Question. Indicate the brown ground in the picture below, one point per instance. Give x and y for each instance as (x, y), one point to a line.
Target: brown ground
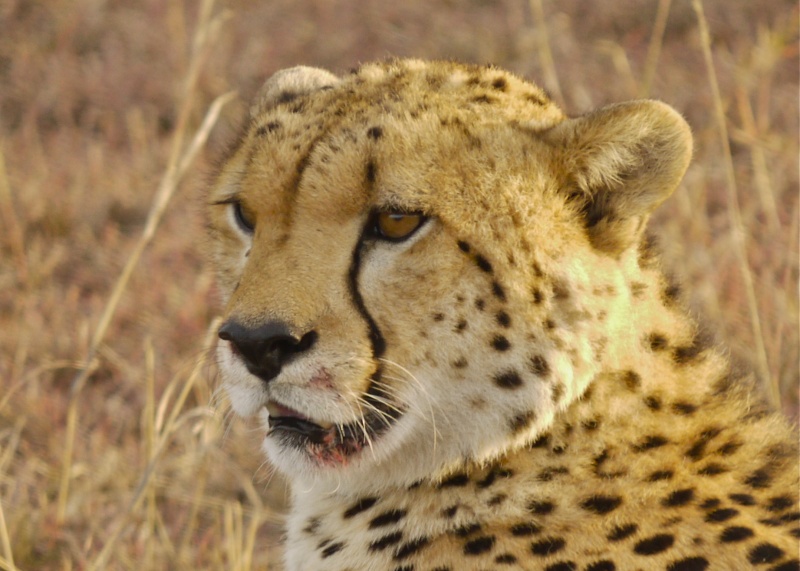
(90, 94)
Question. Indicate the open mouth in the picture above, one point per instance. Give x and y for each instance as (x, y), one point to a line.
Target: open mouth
(332, 443)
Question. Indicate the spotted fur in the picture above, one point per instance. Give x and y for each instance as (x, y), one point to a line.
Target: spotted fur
(513, 385)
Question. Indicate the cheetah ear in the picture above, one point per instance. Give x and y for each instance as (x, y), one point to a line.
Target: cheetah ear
(288, 84)
(624, 160)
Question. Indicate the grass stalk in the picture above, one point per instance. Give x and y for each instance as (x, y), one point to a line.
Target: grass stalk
(177, 166)
(737, 232)
(545, 53)
(11, 227)
(5, 543)
(654, 48)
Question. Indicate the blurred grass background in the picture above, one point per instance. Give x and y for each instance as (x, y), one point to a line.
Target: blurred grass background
(93, 97)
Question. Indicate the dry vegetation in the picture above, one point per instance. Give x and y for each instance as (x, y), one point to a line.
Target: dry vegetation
(98, 99)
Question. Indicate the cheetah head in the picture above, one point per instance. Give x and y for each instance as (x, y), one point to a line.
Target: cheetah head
(405, 256)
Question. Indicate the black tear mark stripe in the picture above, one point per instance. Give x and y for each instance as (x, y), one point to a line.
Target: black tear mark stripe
(376, 338)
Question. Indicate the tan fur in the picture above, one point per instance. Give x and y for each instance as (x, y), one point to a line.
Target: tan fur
(556, 408)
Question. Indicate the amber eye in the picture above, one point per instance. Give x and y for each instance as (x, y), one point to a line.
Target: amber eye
(396, 226)
(243, 218)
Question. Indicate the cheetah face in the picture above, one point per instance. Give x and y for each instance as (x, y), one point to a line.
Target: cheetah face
(402, 256)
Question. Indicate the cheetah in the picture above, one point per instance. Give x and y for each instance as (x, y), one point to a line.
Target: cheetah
(441, 300)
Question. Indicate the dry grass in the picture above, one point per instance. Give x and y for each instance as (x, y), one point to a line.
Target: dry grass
(99, 101)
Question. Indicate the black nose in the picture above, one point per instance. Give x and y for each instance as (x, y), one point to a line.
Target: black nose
(266, 348)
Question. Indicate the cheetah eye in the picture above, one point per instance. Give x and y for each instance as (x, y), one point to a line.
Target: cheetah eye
(395, 226)
(243, 218)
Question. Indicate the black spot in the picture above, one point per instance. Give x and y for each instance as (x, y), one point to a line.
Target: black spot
(371, 172)
(387, 518)
(654, 544)
(659, 475)
(375, 133)
(549, 324)
(541, 508)
(410, 548)
(735, 533)
(601, 504)
(488, 480)
(790, 517)
(287, 97)
(360, 506)
(312, 526)
(759, 479)
(480, 304)
(496, 500)
(483, 263)
(764, 553)
(743, 499)
(723, 514)
(463, 246)
(450, 512)
(560, 291)
(698, 449)
(542, 442)
(672, 291)
(500, 343)
(779, 503)
(455, 481)
(650, 443)
(558, 392)
(604, 565)
(792, 565)
(508, 380)
(691, 353)
(653, 403)
(479, 545)
(631, 380)
(503, 319)
(729, 448)
(710, 504)
(522, 421)
(268, 128)
(498, 291)
(538, 366)
(331, 549)
(590, 424)
(657, 342)
(404, 568)
(678, 498)
(505, 559)
(525, 529)
(683, 408)
(482, 99)
(548, 546)
(562, 566)
(622, 531)
(549, 473)
(537, 296)
(689, 564)
(468, 529)
(712, 469)
(500, 83)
